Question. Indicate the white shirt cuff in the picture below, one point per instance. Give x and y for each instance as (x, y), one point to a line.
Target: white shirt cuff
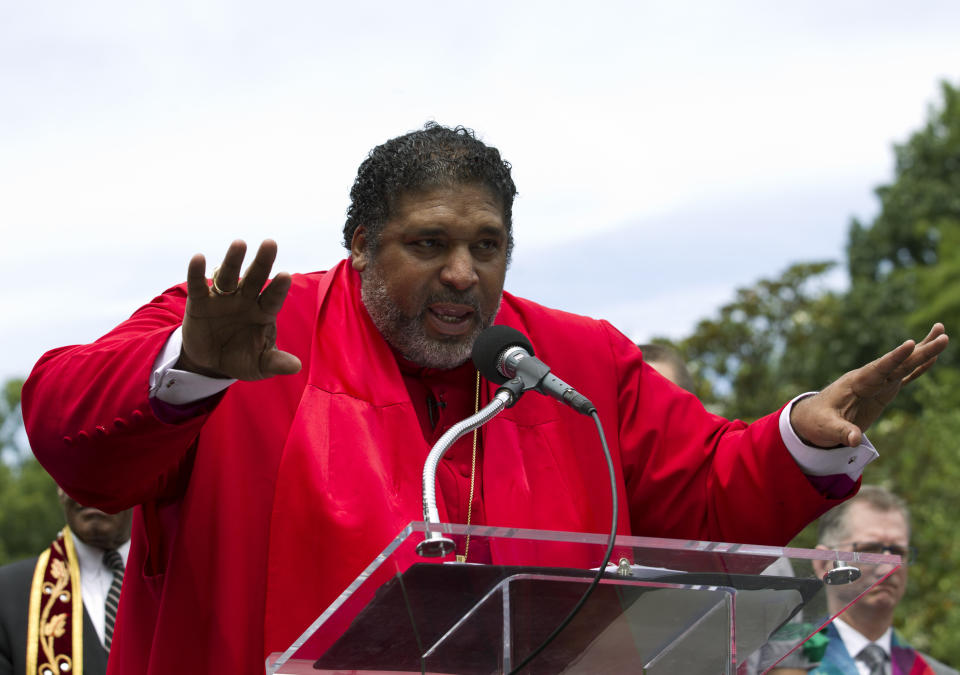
(180, 387)
(822, 462)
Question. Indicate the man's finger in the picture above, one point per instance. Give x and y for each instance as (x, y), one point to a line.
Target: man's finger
(271, 300)
(853, 436)
(935, 331)
(197, 277)
(819, 423)
(881, 370)
(276, 362)
(841, 432)
(919, 370)
(259, 270)
(227, 275)
(923, 353)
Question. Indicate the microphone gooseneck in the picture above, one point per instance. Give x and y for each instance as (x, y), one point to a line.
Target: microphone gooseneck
(435, 545)
(505, 356)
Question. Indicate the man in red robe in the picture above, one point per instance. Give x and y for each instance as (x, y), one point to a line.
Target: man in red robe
(273, 435)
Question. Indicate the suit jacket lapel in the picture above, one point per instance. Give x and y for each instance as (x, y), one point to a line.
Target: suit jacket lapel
(94, 655)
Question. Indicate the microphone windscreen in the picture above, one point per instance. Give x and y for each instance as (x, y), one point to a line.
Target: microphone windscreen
(490, 344)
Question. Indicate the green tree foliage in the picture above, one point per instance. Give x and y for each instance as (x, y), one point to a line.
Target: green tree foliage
(905, 265)
(11, 421)
(763, 347)
(919, 463)
(905, 275)
(30, 513)
(792, 334)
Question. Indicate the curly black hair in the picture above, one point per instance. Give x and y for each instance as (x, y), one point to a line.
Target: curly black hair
(435, 156)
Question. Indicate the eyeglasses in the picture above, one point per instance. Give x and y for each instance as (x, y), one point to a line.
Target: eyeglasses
(907, 553)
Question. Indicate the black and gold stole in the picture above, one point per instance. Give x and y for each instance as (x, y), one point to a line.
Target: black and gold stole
(55, 628)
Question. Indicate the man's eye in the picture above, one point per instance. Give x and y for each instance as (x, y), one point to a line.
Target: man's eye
(487, 244)
(426, 243)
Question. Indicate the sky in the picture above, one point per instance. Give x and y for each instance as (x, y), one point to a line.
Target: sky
(665, 153)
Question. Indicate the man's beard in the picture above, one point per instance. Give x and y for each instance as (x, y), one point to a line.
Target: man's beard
(406, 333)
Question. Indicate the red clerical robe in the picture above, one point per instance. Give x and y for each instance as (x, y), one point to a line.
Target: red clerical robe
(261, 508)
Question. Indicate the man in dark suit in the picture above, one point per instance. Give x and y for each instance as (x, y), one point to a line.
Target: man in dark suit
(57, 610)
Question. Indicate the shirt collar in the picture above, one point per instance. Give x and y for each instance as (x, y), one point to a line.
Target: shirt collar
(90, 557)
(855, 641)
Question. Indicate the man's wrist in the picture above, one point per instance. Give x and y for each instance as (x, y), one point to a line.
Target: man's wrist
(186, 364)
(816, 461)
(173, 385)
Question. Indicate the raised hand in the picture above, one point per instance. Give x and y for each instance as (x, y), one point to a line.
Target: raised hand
(840, 414)
(230, 328)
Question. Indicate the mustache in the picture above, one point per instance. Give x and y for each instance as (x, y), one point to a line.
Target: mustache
(454, 297)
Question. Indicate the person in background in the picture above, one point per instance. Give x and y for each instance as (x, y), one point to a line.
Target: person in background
(667, 361)
(63, 603)
(862, 640)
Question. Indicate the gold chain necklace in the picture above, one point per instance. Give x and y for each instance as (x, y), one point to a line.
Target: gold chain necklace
(473, 472)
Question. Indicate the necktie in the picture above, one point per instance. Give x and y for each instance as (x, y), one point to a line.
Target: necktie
(113, 562)
(874, 658)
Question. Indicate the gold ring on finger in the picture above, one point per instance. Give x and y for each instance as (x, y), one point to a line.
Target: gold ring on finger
(217, 289)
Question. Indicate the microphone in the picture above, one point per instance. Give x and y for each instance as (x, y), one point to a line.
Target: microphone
(502, 353)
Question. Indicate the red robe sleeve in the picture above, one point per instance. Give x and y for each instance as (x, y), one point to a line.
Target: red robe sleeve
(86, 407)
(693, 474)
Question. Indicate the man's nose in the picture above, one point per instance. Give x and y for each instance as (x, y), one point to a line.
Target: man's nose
(459, 270)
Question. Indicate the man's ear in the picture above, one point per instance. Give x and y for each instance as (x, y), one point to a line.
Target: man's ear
(359, 253)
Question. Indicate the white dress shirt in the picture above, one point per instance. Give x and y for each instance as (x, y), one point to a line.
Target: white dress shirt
(95, 579)
(854, 641)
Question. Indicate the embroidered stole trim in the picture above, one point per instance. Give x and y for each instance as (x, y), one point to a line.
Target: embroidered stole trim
(55, 619)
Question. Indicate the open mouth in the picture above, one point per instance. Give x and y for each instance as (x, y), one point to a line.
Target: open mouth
(450, 319)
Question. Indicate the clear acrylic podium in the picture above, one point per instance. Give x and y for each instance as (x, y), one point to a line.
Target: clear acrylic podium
(670, 606)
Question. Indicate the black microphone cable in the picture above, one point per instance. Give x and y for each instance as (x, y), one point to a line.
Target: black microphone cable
(489, 351)
(603, 565)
